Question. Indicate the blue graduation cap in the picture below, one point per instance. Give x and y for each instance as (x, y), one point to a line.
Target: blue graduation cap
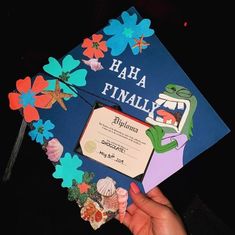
(115, 109)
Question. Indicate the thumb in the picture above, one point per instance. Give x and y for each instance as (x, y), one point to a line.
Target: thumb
(150, 207)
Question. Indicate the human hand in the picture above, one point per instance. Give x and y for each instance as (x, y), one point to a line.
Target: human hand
(152, 214)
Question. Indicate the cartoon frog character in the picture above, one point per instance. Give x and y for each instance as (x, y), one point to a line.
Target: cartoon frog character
(172, 125)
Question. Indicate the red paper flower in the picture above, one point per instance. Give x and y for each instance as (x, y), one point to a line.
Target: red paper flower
(27, 97)
(95, 47)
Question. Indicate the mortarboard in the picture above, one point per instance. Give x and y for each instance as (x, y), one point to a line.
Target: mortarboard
(115, 109)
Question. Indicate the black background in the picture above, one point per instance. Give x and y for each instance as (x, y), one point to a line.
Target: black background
(33, 202)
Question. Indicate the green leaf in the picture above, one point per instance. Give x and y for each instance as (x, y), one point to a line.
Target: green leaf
(92, 189)
(82, 198)
(73, 193)
(87, 177)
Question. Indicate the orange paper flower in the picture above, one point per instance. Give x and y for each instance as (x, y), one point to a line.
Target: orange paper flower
(95, 47)
(27, 97)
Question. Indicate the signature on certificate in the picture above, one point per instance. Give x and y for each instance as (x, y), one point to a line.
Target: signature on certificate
(111, 157)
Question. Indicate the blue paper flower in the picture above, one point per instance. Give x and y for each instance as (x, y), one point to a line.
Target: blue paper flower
(41, 131)
(68, 170)
(126, 33)
(67, 72)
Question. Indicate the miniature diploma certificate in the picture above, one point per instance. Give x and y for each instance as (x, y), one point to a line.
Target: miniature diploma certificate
(117, 140)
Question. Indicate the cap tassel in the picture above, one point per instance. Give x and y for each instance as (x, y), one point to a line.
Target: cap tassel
(14, 152)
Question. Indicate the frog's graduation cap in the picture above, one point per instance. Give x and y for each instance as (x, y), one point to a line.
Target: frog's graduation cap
(115, 109)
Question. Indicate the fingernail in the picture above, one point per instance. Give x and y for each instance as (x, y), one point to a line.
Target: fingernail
(134, 187)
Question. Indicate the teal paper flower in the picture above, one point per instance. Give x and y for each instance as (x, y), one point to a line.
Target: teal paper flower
(127, 33)
(67, 72)
(41, 131)
(68, 170)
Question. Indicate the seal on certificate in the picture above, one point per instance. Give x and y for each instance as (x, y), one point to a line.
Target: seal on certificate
(90, 146)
